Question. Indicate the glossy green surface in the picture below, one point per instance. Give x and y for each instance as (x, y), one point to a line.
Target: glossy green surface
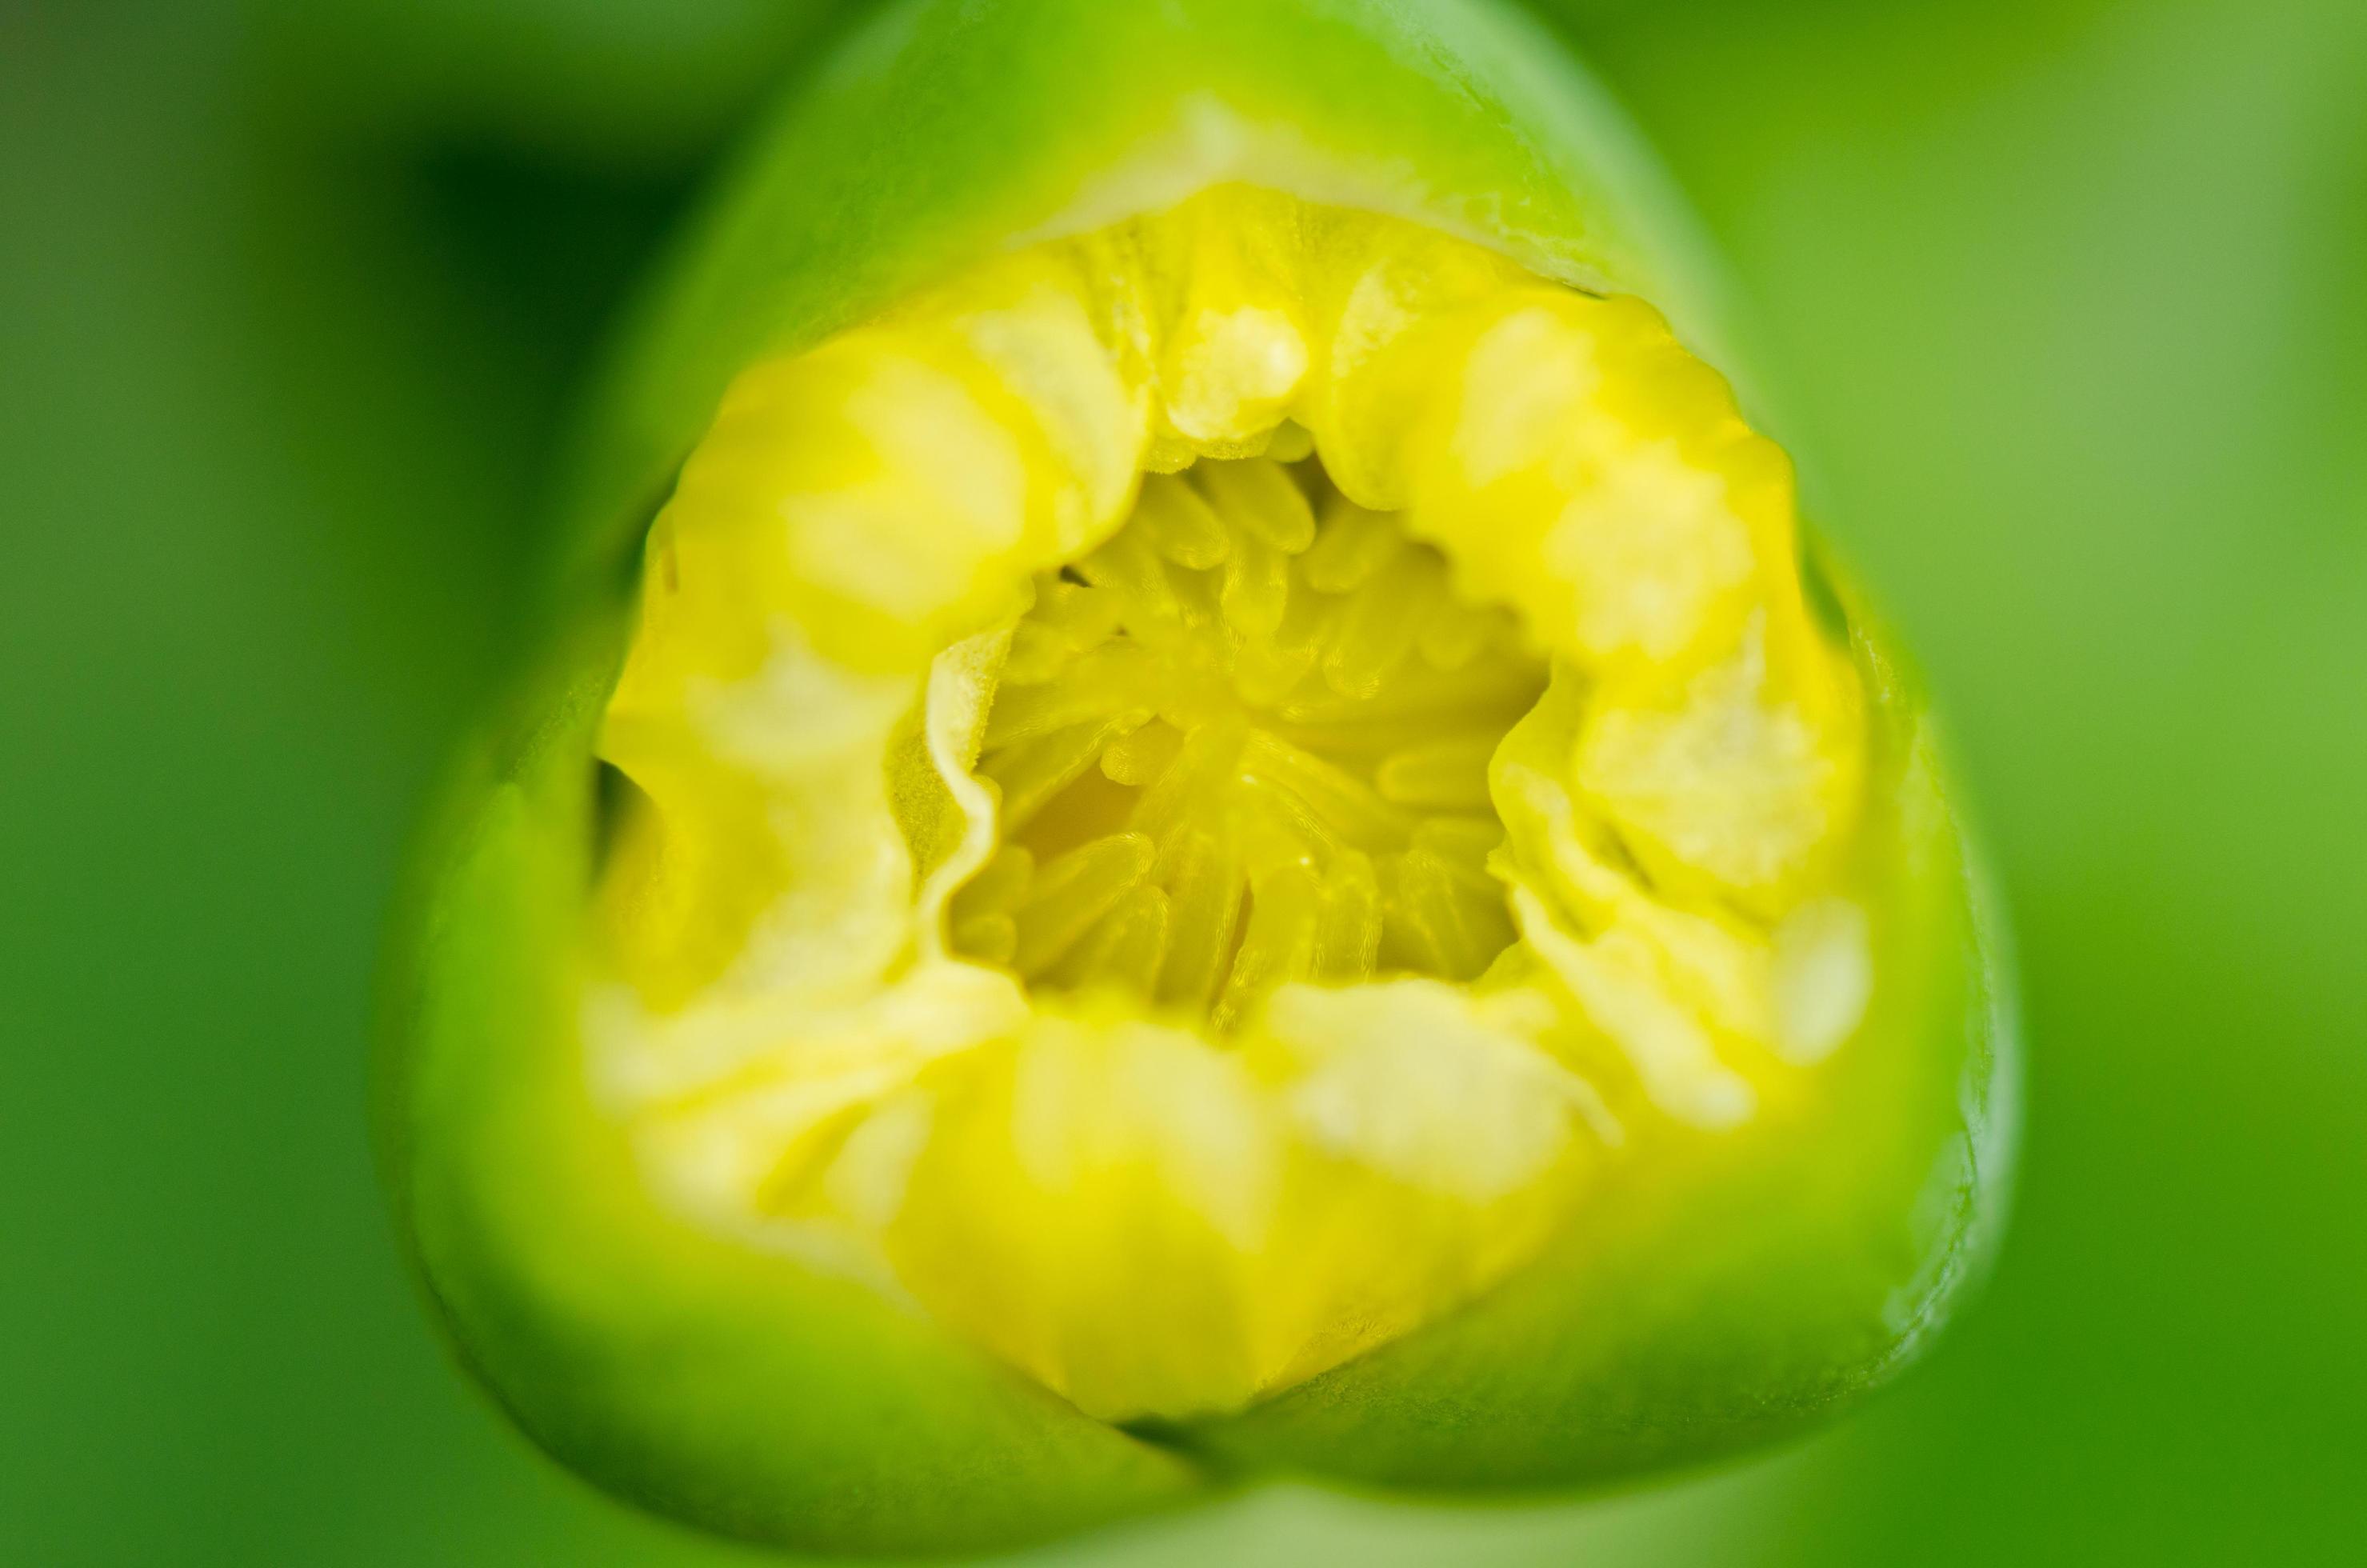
(939, 131)
(1726, 1292)
(729, 1386)
(275, 406)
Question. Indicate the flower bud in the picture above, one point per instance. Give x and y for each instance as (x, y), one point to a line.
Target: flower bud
(1223, 826)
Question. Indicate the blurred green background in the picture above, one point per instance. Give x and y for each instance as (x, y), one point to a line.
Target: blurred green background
(2068, 301)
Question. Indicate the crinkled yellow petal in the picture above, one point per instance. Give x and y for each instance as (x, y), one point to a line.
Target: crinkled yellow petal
(1190, 788)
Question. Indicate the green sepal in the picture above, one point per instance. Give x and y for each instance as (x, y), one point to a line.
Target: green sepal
(1722, 1289)
(943, 131)
(721, 1383)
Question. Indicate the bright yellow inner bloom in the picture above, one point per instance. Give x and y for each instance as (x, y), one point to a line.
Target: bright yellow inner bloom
(1192, 785)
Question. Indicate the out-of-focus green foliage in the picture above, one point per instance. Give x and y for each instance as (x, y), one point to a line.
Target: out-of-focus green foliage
(651, 85)
(2068, 296)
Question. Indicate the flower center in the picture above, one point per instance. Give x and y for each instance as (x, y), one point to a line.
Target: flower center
(1246, 743)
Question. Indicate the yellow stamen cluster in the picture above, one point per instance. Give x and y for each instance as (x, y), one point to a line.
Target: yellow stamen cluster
(1244, 743)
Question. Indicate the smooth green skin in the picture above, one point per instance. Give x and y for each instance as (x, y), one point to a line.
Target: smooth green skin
(1722, 1289)
(1716, 1292)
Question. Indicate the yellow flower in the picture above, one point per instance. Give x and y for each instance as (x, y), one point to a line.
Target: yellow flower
(1226, 834)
